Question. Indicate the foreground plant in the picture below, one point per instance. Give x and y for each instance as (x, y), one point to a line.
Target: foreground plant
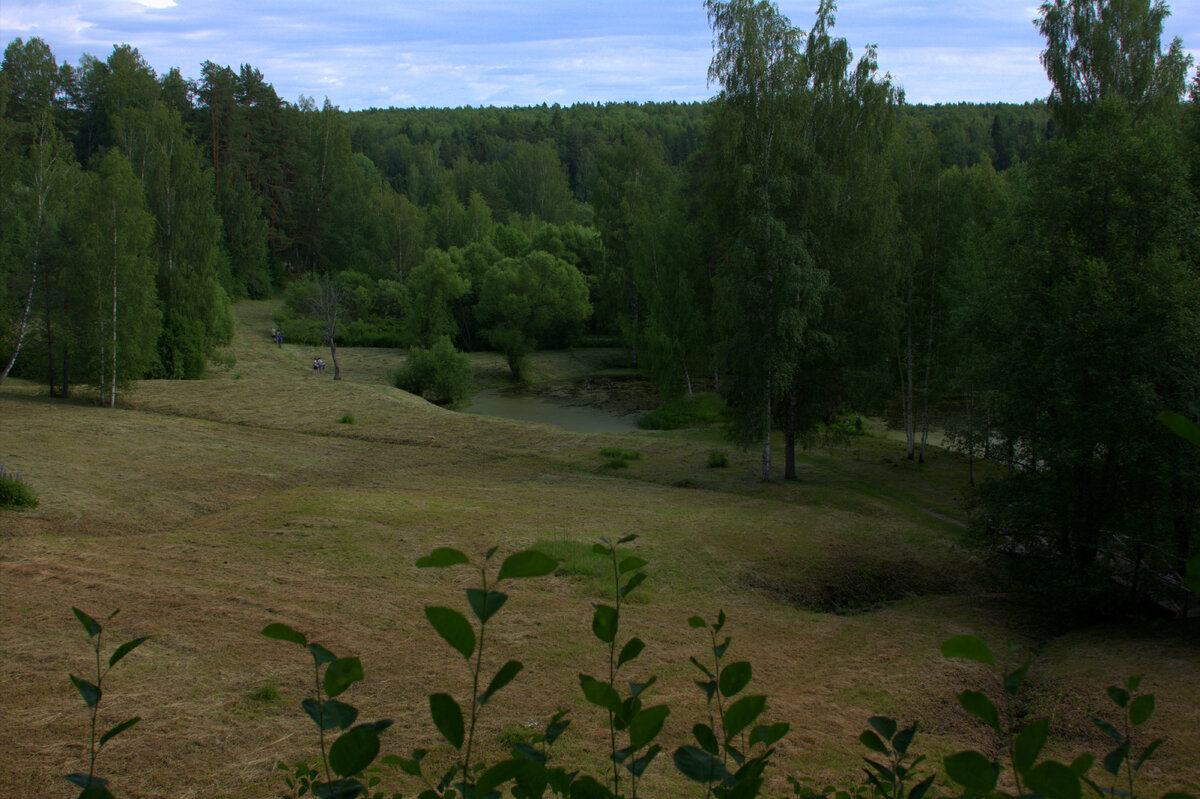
(356, 748)
(94, 787)
(466, 778)
(637, 724)
(724, 765)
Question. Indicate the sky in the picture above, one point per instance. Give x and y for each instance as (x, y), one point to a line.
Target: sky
(449, 53)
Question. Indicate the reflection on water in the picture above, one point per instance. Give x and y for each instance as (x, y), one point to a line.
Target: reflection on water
(573, 418)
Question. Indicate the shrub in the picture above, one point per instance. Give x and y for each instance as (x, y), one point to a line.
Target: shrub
(619, 458)
(717, 459)
(678, 414)
(441, 373)
(14, 493)
(347, 418)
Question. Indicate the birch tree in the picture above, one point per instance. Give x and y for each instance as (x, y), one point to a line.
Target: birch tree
(115, 319)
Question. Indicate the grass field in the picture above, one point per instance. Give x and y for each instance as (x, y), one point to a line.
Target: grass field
(205, 510)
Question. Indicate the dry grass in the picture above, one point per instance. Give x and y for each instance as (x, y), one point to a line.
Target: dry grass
(205, 510)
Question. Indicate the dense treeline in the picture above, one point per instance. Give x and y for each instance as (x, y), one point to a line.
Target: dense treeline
(804, 243)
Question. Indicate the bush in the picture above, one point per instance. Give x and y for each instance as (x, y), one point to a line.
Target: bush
(14, 493)
(441, 373)
(717, 459)
(678, 414)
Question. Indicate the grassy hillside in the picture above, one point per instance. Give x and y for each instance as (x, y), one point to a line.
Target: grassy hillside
(206, 510)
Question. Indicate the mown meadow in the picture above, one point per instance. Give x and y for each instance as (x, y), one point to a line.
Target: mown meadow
(205, 510)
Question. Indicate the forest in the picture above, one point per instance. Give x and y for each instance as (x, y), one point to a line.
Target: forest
(804, 244)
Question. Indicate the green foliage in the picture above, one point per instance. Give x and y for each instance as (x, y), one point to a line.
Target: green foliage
(717, 459)
(628, 717)
(13, 491)
(732, 751)
(353, 751)
(618, 458)
(441, 374)
(93, 786)
(529, 300)
(468, 639)
(347, 418)
(702, 410)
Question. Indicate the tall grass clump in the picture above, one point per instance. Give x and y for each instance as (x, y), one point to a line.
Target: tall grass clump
(13, 491)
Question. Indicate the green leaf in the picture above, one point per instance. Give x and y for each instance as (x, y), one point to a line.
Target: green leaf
(904, 739)
(341, 674)
(1192, 576)
(636, 688)
(1013, 680)
(977, 704)
(972, 771)
(742, 714)
(702, 668)
(884, 726)
(1053, 780)
(454, 629)
(604, 623)
(1118, 695)
(354, 750)
(630, 651)
(318, 712)
(84, 780)
(125, 648)
(600, 549)
(485, 604)
(1029, 744)
(921, 788)
(1141, 709)
(1114, 759)
(281, 632)
(633, 583)
(699, 766)
(1181, 426)
(706, 738)
(769, 735)
(497, 775)
(630, 563)
(1082, 764)
(90, 693)
(969, 647)
(441, 558)
(627, 539)
(646, 726)
(118, 729)
(870, 740)
(321, 655)
(448, 718)
(734, 678)
(1147, 753)
(600, 694)
(503, 677)
(695, 622)
(343, 715)
(527, 563)
(89, 624)
(1109, 730)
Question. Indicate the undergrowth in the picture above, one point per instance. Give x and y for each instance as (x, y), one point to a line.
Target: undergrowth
(13, 491)
(731, 749)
